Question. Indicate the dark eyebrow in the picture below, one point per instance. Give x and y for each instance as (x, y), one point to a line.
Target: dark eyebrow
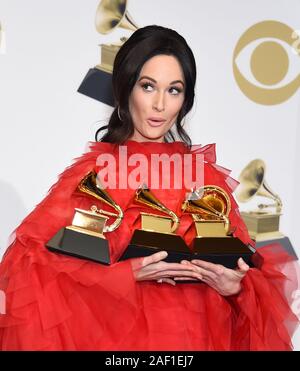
(150, 78)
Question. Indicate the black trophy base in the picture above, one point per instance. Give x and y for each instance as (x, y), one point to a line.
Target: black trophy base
(145, 243)
(80, 245)
(218, 250)
(284, 241)
(97, 84)
(222, 250)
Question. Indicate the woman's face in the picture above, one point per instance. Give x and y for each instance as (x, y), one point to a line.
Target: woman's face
(157, 95)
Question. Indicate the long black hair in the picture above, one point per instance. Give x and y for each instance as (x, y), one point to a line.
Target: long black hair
(142, 45)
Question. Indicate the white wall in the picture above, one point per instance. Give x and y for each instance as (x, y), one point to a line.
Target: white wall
(45, 123)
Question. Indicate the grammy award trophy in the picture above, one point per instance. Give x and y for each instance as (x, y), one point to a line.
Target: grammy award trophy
(263, 220)
(157, 232)
(85, 237)
(214, 242)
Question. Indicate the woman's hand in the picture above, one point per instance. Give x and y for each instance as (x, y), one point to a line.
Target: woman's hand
(152, 268)
(224, 280)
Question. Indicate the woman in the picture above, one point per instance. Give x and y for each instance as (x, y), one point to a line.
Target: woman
(56, 302)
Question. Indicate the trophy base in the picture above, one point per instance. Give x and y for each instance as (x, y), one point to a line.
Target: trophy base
(284, 242)
(222, 250)
(80, 245)
(217, 250)
(108, 55)
(260, 222)
(97, 85)
(259, 237)
(145, 243)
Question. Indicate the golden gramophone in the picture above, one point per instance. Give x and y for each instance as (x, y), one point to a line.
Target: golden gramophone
(85, 237)
(157, 231)
(97, 83)
(110, 15)
(262, 225)
(214, 242)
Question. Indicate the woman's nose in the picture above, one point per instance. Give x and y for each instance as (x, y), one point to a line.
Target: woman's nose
(159, 101)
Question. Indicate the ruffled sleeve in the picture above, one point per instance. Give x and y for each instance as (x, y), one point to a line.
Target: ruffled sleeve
(264, 319)
(262, 314)
(45, 290)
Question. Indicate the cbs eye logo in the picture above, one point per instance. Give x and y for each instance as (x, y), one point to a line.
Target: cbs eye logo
(275, 54)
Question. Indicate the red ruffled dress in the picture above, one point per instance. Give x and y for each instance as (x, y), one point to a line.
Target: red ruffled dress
(56, 302)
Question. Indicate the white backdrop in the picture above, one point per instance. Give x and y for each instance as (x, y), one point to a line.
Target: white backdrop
(45, 123)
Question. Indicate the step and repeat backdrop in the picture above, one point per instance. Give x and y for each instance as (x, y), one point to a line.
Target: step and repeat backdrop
(55, 68)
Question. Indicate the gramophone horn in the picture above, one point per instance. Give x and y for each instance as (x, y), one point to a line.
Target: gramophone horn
(146, 197)
(252, 182)
(214, 204)
(111, 14)
(214, 201)
(88, 185)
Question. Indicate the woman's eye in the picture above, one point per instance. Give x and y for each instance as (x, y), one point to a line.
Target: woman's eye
(144, 86)
(177, 90)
